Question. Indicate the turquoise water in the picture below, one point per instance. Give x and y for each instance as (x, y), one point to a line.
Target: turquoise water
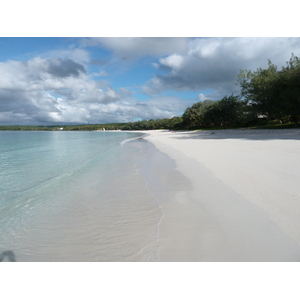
(77, 196)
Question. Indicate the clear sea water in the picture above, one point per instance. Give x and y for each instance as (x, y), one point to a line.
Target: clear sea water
(80, 196)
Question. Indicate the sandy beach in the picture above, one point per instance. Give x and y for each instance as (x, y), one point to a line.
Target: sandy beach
(244, 200)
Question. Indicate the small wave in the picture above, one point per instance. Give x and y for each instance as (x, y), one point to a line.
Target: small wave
(136, 138)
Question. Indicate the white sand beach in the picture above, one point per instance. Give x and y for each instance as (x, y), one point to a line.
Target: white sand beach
(244, 204)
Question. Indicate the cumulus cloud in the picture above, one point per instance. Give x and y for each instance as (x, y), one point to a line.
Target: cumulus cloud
(126, 92)
(40, 74)
(47, 90)
(102, 73)
(129, 109)
(172, 62)
(202, 97)
(64, 68)
(215, 63)
(59, 90)
(136, 47)
(81, 56)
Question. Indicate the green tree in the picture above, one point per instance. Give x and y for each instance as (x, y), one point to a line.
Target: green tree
(193, 116)
(289, 83)
(225, 112)
(273, 93)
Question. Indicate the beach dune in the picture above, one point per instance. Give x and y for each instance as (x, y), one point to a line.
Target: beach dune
(244, 200)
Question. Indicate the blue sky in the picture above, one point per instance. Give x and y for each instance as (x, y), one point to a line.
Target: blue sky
(102, 80)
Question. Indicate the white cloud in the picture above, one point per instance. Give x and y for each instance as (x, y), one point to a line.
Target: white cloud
(101, 74)
(126, 92)
(202, 97)
(49, 90)
(173, 61)
(215, 63)
(79, 55)
(56, 90)
(135, 47)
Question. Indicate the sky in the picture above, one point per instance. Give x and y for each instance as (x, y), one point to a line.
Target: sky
(90, 80)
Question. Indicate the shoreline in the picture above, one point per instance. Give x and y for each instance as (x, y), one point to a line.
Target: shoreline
(244, 200)
(82, 200)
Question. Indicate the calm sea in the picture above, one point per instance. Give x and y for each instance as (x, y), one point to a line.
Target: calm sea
(79, 196)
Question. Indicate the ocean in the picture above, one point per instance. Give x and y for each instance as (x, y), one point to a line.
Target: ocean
(81, 196)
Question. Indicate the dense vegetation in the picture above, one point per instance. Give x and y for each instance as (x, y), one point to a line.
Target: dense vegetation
(268, 96)
(173, 123)
(227, 112)
(273, 93)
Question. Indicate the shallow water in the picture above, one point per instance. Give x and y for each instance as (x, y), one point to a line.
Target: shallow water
(75, 196)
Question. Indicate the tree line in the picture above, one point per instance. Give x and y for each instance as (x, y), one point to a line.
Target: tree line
(273, 93)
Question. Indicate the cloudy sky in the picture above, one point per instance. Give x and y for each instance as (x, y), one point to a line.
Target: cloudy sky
(102, 80)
